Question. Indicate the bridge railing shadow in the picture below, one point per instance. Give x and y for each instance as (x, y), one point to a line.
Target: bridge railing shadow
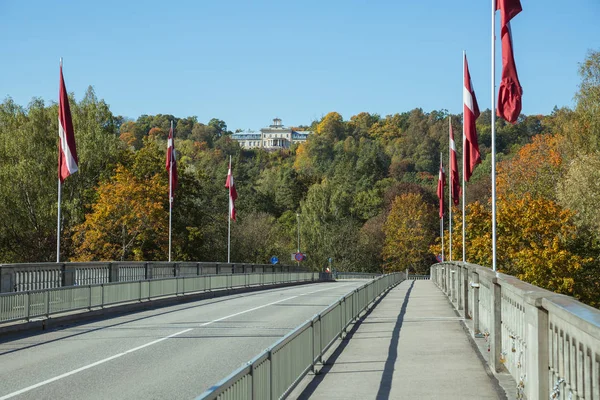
(274, 373)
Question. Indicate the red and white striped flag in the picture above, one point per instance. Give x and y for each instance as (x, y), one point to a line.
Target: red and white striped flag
(171, 163)
(470, 115)
(232, 192)
(67, 153)
(440, 189)
(454, 178)
(510, 91)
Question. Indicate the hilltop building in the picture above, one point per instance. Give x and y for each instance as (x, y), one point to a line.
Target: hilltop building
(274, 137)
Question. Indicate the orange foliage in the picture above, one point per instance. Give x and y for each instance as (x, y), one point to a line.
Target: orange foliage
(129, 221)
(535, 169)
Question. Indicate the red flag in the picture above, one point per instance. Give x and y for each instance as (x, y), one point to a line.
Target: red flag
(171, 163)
(470, 115)
(440, 189)
(508, 9)
(232, 192)
(67, 153)
(454, 179)
(510, 91)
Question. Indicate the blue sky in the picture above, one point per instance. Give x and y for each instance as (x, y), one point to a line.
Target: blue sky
(246, 62)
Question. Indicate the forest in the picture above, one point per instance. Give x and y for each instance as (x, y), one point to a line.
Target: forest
(364, 189)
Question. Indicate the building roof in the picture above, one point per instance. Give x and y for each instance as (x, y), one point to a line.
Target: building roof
(246, 136)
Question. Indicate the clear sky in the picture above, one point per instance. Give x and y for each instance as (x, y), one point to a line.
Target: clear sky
(246, 62)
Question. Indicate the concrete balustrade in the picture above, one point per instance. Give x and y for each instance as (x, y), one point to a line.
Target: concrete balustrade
(549, 343)
(36, 276)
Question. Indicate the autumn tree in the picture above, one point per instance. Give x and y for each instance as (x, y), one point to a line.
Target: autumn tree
(129, 221)
(534, 241)
(410, 229)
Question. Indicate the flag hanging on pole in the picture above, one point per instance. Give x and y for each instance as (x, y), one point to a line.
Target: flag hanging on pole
(440, 189)
(510, 91)
(171, 163)
(470, 115)
(454, 182)
(232, 192)
(67, 157)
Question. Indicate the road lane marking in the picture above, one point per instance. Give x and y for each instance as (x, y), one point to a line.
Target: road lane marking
(85, 367)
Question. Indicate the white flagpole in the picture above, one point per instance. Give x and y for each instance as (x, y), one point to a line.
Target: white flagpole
(171, 185)
(450, 189)
(493, 135)
(229, 217)
(59, 198)
(464, 185)
(58, 225)
(442, 219)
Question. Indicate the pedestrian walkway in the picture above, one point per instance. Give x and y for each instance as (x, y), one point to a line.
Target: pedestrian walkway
(411, 346)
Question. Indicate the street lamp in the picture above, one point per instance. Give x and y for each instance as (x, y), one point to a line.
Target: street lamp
(298, 224)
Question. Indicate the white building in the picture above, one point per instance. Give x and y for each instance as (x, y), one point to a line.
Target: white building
(273, 137)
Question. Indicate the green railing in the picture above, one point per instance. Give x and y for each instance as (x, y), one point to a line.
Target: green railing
(43, 303)
(274, 373)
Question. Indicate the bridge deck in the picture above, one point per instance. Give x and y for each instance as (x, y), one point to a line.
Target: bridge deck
(413, 345)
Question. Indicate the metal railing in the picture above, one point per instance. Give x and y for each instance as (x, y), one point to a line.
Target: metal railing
(418, 277)
(355, 275)
(35, 276)
(43, 303)
(549, 343)
(274, 373)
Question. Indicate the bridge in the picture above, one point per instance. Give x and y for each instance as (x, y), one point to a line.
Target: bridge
(241, 331)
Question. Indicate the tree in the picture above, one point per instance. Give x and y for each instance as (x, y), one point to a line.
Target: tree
(409, 231)
(534, 169)
(580, 190)
(257, 237)
(332, 126)
(534, 237)
(128, 221)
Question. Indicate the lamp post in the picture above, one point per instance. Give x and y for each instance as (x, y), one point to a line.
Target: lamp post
(298, 225)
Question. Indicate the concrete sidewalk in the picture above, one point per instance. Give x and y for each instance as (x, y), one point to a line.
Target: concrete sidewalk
(411, 346)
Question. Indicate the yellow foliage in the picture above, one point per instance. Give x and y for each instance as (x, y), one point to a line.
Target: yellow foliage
(128, 221)
(409, 231)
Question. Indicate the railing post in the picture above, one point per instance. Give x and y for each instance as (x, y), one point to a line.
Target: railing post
(149, 272)
(271, 376)
(476, 330)
(68, 276)
(113, 272)
(465, 286)
(47, 303)
(7, 279)
(537, 349)
(453, 285)
(496, 326)
(459, 288)
(27, 303)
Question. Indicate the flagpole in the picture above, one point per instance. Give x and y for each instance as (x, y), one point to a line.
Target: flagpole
(229, 217)
(59, 198)
(442, 219)
(58, 225)
(493, 135)
(464, 185)
(171, 187)
(450, 187)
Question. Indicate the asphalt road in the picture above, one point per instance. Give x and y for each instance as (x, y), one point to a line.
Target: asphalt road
(174, 352)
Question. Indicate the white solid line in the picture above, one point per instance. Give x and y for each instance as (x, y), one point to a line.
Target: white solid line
(75, 371)
(27, 389)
